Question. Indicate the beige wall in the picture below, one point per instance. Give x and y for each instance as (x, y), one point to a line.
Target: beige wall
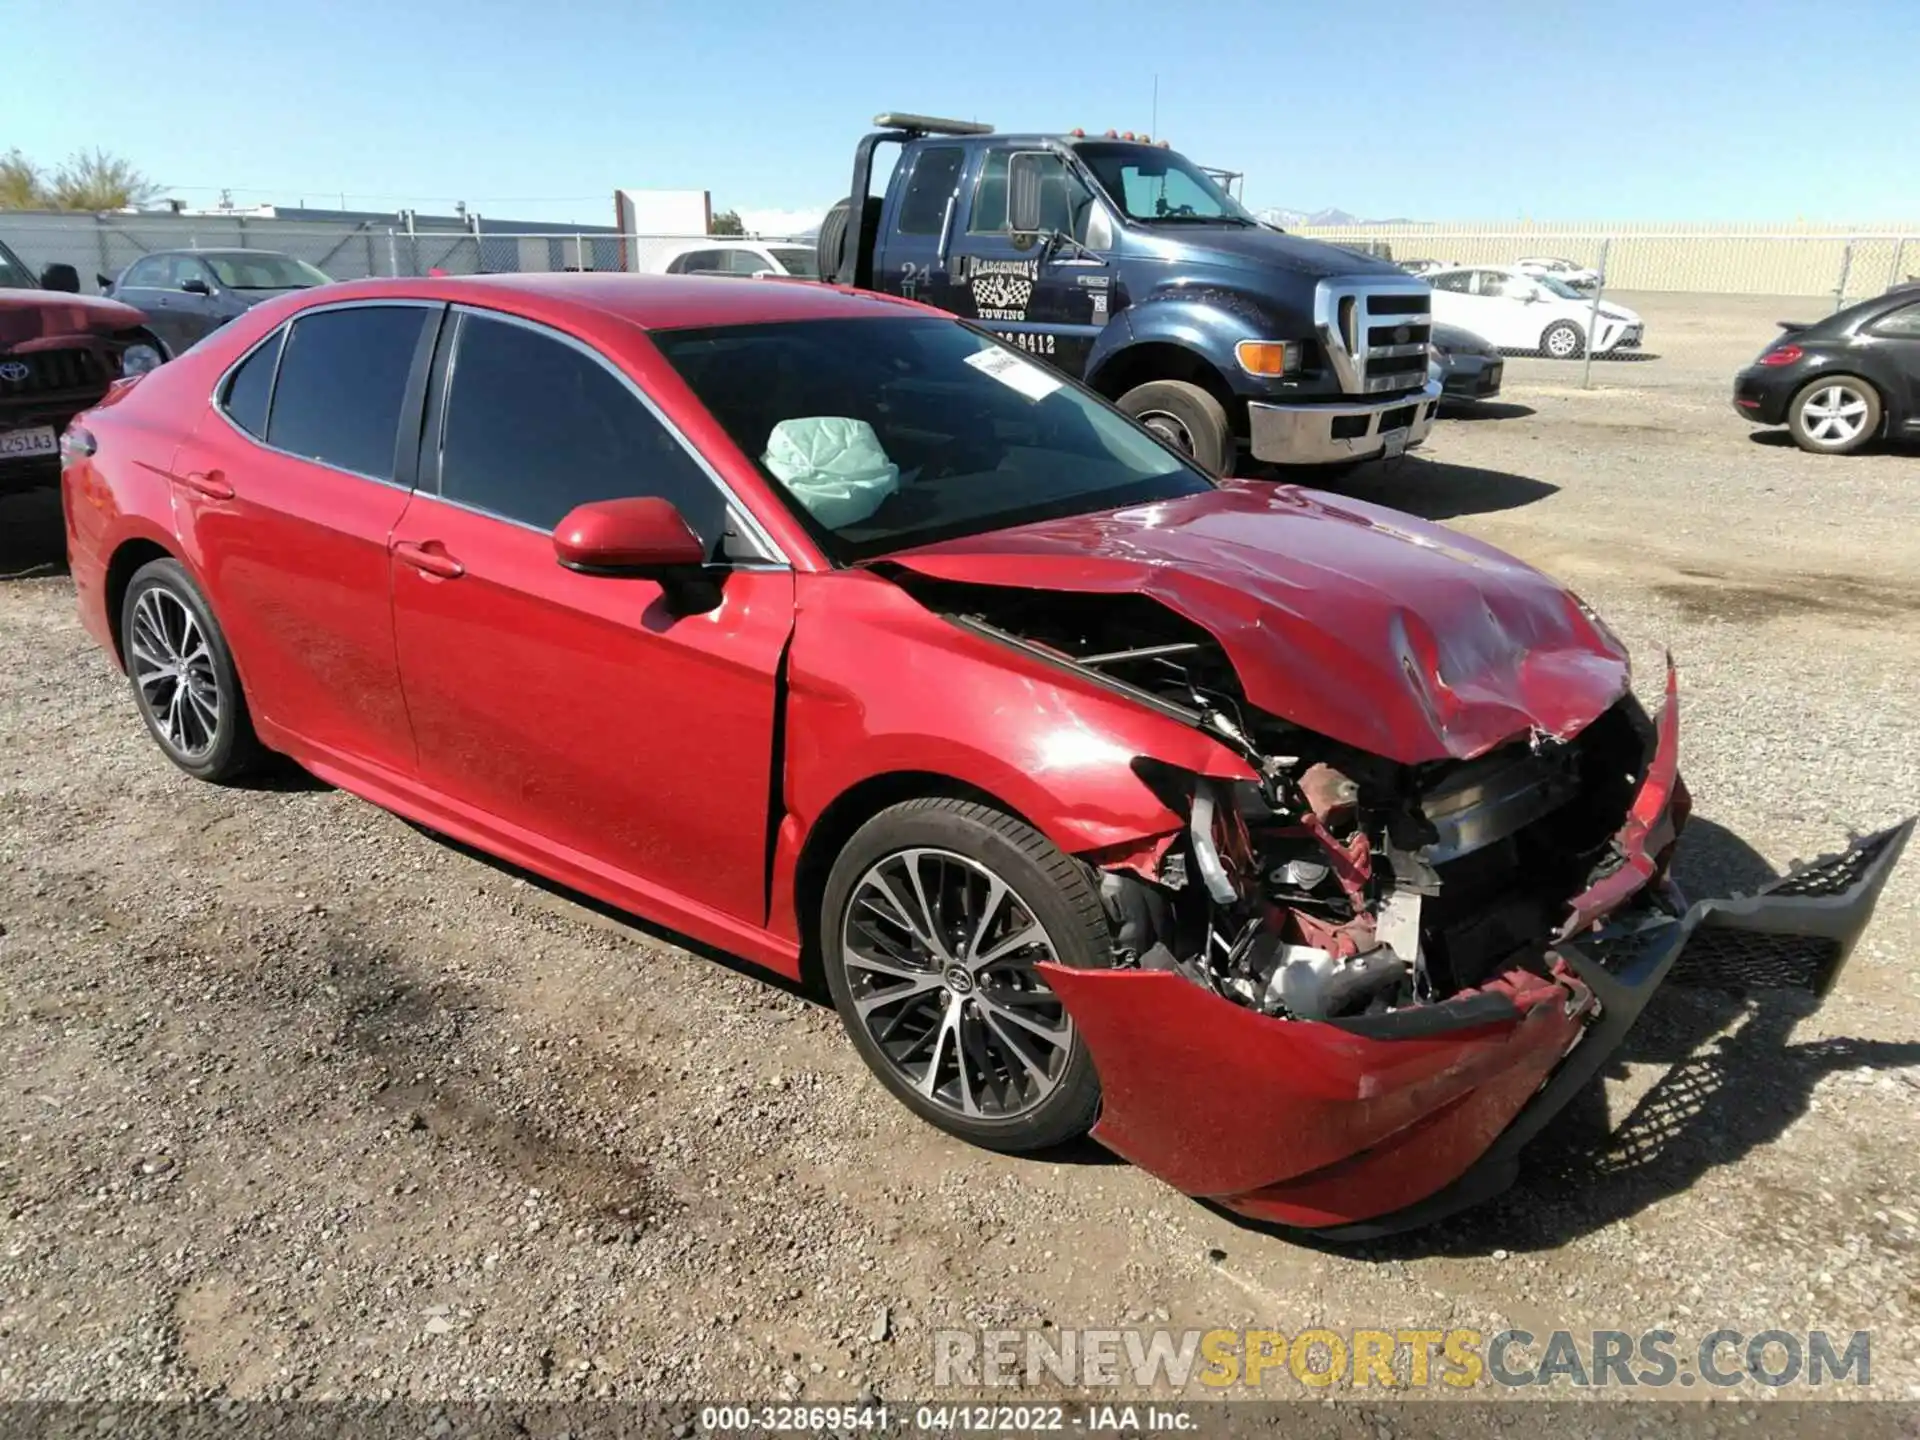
(1752, 260)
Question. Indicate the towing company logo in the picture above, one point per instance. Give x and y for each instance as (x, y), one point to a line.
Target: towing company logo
(1001, 289)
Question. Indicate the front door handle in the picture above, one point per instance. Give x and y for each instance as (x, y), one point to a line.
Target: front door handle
(431, 557)
(210, 483)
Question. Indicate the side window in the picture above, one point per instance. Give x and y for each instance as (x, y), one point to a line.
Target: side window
(252, 384)
(535, 427)
(343, 384)
(1065, 201)
(182, 268)
(1456, 282)
(923, 208)
(147, 274)
(745, 262)
(699, 262)
(1902, 324)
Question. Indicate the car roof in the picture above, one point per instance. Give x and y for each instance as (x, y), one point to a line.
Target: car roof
(205, 254)
(650, 302)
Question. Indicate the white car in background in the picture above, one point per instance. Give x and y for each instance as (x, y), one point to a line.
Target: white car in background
(725, 255)
(1580, 277)
(1517, 311)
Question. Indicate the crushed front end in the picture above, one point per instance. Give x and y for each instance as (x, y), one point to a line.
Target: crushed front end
(1351, 988)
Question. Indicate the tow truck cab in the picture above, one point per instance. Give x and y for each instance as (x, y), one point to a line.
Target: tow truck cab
(1122, 263)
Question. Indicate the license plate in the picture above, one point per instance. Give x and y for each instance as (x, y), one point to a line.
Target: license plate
(1395, 442)
(28, 444)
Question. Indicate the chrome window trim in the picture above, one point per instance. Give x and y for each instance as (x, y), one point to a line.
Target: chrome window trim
(220, 384)
(735, 506)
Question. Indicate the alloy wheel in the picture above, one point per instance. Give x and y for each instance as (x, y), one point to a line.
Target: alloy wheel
(172, 665)
(1562, 342)
(1834, 414)
(939, 955)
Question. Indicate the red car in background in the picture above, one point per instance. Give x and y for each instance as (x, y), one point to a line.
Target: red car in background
(1311, 855)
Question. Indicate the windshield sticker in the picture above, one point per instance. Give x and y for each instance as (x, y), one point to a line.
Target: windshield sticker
(1014, 373)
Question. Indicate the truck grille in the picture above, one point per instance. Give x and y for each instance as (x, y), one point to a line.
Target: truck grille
(1376, 333)
(50, 372)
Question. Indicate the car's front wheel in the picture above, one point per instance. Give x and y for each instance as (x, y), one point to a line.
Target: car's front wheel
(182, 673)
(1562, 340)
(935, 918)
(1834, 415)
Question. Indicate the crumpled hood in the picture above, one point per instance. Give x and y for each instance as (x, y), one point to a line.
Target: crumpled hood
(1357, 622)
(27, 315)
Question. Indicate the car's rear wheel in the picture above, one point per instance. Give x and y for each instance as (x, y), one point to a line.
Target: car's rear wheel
(1562, 340)
(1834, 415)
(935, 917)
(182, 673)
(1187, 418)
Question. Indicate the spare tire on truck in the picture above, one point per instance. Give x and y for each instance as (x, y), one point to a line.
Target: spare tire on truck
(833, 229)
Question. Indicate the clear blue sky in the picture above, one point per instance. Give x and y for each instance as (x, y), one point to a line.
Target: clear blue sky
(1447, 109)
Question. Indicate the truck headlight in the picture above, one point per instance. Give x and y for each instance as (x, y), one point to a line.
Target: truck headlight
(140, 357)
(1268, 358)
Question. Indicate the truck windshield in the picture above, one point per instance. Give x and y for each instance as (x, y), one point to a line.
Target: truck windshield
(884, 433)
(1160, 185)
(13, 274)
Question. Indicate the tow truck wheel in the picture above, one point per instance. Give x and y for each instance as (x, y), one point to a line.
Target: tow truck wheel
(1187, 418)
(936, 917)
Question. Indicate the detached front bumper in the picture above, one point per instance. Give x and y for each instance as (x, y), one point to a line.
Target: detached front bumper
(1369, 1126)
(1335, 433)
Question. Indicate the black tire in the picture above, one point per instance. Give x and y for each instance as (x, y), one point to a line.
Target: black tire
(1043, 884)
(826, 245)
(223, 750)
(1817, 434)
(1187, 418)
(1566, 335)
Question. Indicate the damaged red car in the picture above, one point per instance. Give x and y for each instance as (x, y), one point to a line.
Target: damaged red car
(1308, 855)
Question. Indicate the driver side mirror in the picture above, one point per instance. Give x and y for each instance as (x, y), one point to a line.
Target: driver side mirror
(1026, 178)
(60, 276)
(194, 285)
(643, 537)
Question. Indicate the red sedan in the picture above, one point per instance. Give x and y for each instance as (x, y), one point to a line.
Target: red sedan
(1310, 855)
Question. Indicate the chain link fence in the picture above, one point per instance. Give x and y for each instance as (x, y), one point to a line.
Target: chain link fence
(101, 247)
(1839, 265)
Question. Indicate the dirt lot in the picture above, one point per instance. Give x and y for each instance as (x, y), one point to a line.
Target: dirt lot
(300, 1101)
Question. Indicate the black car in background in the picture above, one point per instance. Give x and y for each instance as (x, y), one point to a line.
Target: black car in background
(1839, 383)
(1467, 367)
(191, 293)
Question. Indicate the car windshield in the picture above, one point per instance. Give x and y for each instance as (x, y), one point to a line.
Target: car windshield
(13, 274)
(885, 433)
(264, 272)
(1160, 186)
(1559, 287)
(795, 260)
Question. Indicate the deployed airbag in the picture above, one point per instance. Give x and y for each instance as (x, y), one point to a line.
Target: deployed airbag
(833, 465)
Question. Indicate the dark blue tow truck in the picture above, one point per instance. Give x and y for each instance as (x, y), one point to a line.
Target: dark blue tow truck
(1125, 265)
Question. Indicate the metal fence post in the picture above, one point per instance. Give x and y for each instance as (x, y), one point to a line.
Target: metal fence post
(1846, 273)
(393, 252)
(1894, 276)
(1593, 317)
(579, 253)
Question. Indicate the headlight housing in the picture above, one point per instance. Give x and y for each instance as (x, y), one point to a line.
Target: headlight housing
(141, 357)
(1269, 359)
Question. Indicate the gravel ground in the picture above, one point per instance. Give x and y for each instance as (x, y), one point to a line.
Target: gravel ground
(300, 1101)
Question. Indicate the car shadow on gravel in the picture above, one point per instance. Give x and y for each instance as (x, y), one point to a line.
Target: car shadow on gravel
(1475, 411)
(1735, 1081)
(33, 538)
(1437, 490)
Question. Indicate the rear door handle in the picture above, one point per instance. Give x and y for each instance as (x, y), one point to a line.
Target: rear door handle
(431, 557)
(210, 483)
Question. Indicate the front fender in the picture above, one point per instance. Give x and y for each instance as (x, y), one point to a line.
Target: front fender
(879, 685)
(1207, 320)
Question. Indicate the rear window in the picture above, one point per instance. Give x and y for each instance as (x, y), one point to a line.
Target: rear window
(923, 209)
(343, 384)
(252, 385)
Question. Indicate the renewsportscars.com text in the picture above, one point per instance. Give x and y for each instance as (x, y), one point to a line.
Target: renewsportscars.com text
(1400, 1359)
